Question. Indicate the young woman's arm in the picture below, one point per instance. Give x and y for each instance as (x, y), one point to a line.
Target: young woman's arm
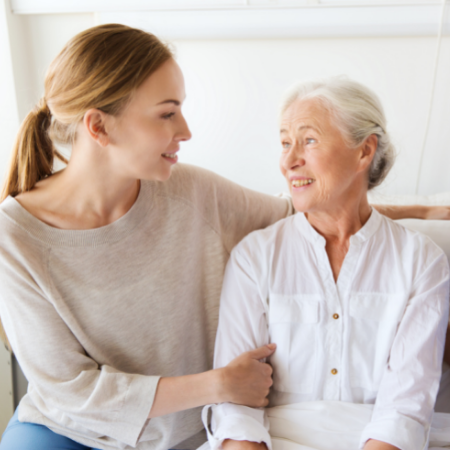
(244, 380)
(105, 401)
(397, 212)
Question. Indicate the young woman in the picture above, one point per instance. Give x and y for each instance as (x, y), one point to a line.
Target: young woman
(111, 269)
(110, 274)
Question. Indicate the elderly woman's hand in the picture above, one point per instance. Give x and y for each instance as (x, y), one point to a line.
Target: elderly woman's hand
(229, 444)
(372, 444)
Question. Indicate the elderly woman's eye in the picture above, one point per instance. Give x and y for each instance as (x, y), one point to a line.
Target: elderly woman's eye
(285, 145)
(310, 140)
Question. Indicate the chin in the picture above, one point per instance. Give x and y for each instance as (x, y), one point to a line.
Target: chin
(161, 174)
(301, 205)
(164, 175)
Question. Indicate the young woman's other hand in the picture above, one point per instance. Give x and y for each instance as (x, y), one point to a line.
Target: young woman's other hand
(437, 212)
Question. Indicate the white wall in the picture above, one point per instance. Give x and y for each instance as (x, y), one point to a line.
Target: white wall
(27, 46)
(234, 88)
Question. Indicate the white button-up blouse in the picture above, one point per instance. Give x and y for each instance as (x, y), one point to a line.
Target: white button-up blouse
(376, 336)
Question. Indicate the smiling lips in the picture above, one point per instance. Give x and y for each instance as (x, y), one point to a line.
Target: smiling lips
(169, 155)
(300, 183)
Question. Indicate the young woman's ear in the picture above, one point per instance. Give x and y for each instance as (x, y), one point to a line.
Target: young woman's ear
(95, 123)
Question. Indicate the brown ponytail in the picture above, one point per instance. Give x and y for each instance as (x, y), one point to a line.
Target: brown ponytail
(33, 153)
(99, 68)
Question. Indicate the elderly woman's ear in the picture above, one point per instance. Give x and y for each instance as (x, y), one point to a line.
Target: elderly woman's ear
(367, 152)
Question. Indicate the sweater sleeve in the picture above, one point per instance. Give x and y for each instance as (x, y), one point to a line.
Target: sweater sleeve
(405, 400)
(65, 384)
(232, 210)
(242, 327)
(242, 210)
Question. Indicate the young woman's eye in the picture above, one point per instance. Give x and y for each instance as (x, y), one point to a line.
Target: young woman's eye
(168, 115)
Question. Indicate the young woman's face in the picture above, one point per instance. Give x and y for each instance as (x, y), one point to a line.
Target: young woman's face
(145, 137)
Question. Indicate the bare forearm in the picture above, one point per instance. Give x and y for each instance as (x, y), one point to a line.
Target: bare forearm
(396, 212)
(372, 444)
(244, 381)
(179, 393)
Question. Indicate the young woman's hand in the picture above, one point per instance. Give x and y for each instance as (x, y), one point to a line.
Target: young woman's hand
(246, 380)
(396, 212)
(437, 213)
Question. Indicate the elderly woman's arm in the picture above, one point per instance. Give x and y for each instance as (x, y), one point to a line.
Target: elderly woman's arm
(242, 324)
(397, 212)
(410, 382)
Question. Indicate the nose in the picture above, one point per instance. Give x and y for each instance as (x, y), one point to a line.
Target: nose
(184, 134)
(293, 158)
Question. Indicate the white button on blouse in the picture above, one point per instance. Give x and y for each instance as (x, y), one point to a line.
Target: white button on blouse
(377, 335)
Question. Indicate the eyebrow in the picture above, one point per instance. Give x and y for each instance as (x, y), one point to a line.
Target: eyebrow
(301, 128)
(175, 102)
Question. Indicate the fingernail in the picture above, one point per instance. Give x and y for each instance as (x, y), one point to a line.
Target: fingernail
(272, 346)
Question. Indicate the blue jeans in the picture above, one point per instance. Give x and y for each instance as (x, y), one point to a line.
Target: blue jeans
(31, 436)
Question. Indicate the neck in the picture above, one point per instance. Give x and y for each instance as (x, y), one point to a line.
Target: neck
(338, 223)
(89, 192)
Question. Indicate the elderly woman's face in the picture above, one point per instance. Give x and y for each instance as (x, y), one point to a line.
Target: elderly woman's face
(318, 164)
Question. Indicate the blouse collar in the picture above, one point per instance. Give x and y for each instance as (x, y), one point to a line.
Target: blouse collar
(365, 233)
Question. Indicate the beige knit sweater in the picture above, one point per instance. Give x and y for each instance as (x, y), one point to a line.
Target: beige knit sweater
(96, 317)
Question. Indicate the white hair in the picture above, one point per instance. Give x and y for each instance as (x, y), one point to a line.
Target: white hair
(358, 113)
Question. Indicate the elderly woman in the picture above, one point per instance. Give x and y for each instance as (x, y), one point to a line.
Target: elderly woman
(357, 304)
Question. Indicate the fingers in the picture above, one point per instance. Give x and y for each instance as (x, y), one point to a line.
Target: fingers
(248, 380)
(268, 369)
(262, 352)
(258, 403)
(262, 403)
